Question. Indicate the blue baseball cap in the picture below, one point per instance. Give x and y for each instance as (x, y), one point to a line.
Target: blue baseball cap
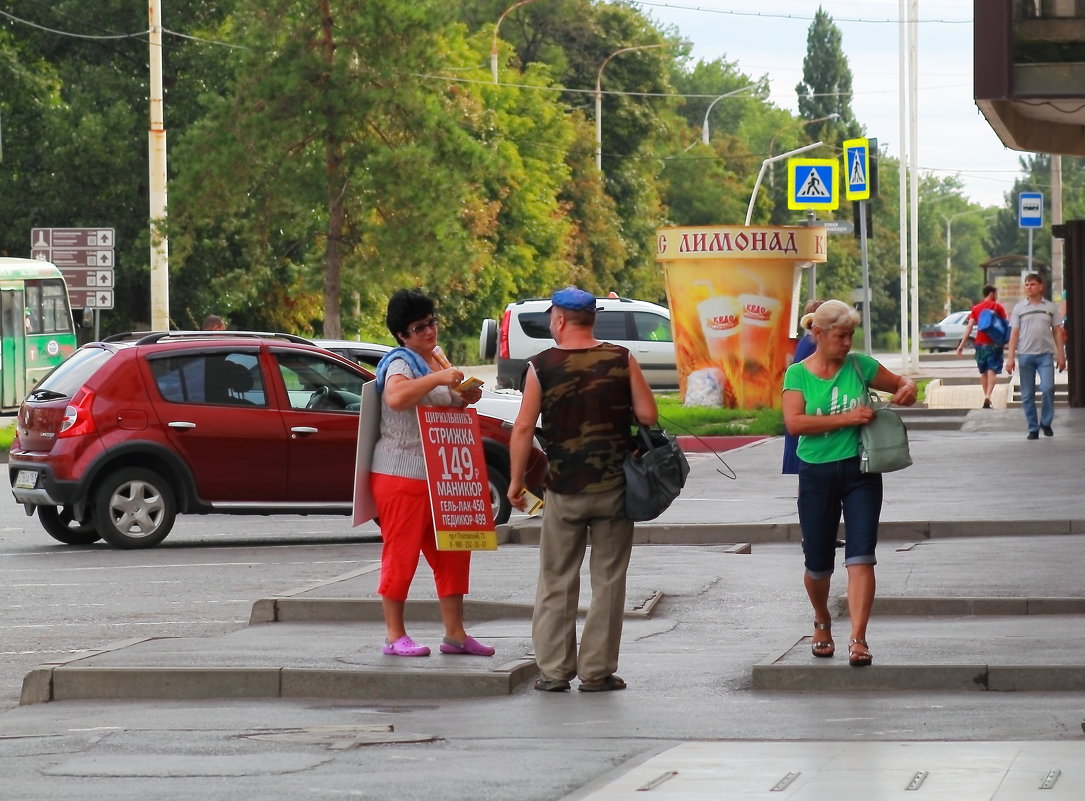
(573, 299)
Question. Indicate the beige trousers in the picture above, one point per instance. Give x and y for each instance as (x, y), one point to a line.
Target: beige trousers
(567, 522)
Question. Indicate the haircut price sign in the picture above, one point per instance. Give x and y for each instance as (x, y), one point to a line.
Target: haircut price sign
(459, 488)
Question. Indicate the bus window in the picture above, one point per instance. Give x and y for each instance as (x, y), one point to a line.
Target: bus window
(47, 307)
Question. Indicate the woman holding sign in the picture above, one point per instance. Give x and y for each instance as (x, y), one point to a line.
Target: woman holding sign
(415, 374)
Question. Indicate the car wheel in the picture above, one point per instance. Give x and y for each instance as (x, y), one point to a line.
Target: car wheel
(134, 508)
(499, 495)
(58, 524)
(487, 340)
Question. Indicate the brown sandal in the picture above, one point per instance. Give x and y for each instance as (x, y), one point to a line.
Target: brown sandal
(859, 659)
(823, 648)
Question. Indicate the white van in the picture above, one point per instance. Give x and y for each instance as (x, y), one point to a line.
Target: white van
(644, 328)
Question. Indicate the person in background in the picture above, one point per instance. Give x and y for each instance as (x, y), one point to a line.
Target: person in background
(824, 405)
(213, 322)
(988, 354)
(588, 393)
(803, 348)
(412, 375)
(1036, 334)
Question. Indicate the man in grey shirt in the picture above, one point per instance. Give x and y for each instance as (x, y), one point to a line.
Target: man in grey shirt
(1036, 343)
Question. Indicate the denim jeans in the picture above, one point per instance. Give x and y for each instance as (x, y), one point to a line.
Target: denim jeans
(825, 491)
(1031, 364)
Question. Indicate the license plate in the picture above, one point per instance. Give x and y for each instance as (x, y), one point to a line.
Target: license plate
(27, 479)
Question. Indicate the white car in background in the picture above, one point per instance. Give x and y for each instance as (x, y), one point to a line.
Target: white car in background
(493, 404)
(644, 328)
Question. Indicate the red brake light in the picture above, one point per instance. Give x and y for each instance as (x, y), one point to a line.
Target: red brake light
(503, 339)
(77, 421)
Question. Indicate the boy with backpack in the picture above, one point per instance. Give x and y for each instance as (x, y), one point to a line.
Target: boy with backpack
(992, 326)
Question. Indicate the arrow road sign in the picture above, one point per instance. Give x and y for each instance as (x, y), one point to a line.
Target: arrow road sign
(811, 184)
(85, 258)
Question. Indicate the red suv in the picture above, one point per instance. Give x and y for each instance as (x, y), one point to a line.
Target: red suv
(129, 432)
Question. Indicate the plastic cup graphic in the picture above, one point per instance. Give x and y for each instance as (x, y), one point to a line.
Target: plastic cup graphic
(760, 315)
(720, 317)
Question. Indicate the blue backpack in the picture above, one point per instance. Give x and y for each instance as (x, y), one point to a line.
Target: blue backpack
(994, 326)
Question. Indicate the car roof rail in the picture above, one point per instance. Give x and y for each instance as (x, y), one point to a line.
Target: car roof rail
(150, 337)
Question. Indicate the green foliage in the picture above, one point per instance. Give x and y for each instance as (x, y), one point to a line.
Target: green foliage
(702, 421)
(319, 161)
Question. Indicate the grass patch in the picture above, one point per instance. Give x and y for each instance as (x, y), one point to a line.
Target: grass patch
(704, 421)
(7, 434)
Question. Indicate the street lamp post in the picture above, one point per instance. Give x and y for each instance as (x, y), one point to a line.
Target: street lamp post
(704, 125)
(599, 100)
(949, 253)
(493, 44)
(773, 159)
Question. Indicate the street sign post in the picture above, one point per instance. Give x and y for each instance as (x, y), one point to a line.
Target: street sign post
(1030, 215)
(857, 182)
(85, 257)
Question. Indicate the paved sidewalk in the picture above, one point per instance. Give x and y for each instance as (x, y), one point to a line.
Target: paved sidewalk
(978, 681)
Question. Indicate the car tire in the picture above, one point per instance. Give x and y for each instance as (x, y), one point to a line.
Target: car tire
(134, 508)
(487, 341)
(58, 524)
(499, 494)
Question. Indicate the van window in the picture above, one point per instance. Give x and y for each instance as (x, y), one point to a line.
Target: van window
(611, 326)
(652, 327)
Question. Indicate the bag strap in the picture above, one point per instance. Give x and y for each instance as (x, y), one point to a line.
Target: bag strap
(874, 400)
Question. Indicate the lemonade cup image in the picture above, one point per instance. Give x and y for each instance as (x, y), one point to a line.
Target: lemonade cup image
(760, 314)
(720, 317)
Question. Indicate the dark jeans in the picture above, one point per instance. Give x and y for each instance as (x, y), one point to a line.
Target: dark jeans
(827, 490)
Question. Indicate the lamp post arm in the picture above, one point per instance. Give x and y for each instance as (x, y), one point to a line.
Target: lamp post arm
(761, 173)
(497, 27)
(704, 125)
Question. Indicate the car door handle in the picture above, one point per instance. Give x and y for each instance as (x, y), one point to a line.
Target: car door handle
(181, 424)
(303, 430)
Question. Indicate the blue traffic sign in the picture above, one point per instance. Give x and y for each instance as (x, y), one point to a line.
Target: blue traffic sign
(811, 184)
(857, 169)
(1030, 210)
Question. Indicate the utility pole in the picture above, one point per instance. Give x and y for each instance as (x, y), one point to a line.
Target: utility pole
(156, 151)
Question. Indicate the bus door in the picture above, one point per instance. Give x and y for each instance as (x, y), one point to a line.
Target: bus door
(13, 350)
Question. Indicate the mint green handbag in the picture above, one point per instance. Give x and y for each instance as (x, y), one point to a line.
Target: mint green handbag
(884, 440)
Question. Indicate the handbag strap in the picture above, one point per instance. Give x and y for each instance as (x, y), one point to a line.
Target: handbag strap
(874, 400)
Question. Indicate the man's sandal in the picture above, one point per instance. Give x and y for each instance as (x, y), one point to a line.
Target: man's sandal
(823, 648)
(859, 658)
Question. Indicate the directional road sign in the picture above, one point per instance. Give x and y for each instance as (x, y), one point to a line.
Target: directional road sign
(1030, 210)
(811, 184)
(857, 169)
(85, 257)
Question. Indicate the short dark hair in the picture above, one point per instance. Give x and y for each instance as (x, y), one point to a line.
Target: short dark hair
(1039, 279)
(405, 307)
(582, 317)
(988, 289)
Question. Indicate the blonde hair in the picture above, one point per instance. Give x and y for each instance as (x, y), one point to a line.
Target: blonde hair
(829, 314)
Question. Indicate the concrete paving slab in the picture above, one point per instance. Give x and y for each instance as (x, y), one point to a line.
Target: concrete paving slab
(848, 771)
(1040, 654)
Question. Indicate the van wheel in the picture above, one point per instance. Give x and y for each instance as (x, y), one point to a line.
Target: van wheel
(487, 341)
(58, 524)
(134, 508)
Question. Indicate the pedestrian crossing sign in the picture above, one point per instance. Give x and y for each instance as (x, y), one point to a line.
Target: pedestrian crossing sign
(857, 169)
(811, 184)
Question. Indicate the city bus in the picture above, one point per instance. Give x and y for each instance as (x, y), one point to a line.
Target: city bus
(36, 328)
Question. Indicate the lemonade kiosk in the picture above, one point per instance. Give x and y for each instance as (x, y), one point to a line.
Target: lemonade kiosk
(733, 295)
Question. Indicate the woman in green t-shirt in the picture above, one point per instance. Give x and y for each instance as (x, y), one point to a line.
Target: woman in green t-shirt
(823, 406)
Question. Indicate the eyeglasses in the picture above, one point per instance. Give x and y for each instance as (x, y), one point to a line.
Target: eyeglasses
(420, 327)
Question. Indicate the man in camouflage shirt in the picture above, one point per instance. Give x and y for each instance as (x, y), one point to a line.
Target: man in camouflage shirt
(588, 393)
